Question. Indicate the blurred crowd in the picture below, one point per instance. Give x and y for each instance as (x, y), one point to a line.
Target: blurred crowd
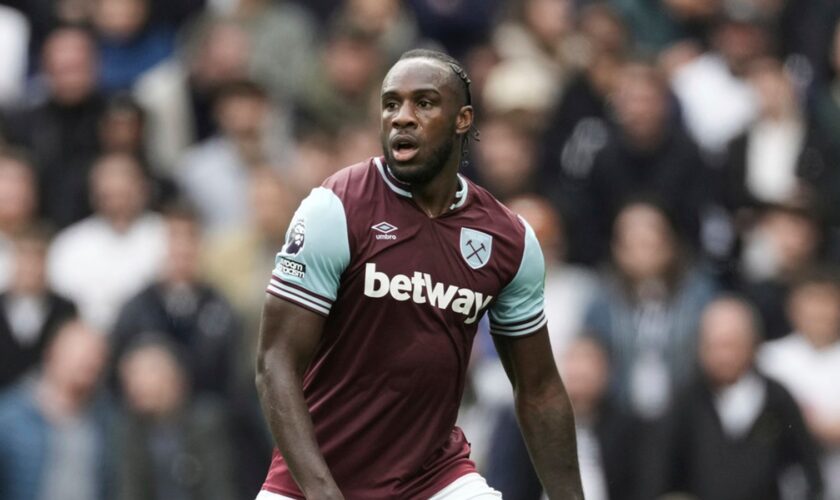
(679, 161)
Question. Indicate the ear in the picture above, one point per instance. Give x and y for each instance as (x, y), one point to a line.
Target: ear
(464, 120)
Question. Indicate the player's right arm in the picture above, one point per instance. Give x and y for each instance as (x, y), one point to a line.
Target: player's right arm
(289, 336)
(303, 286)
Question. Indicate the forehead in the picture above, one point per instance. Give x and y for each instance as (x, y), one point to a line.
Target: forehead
(419, 73)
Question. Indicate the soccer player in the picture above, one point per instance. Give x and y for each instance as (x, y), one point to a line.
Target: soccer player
(372, 309)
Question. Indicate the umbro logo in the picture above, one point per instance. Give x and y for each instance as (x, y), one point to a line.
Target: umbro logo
(385, 229)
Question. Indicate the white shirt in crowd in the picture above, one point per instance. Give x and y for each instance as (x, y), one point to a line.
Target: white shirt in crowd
(100, 268)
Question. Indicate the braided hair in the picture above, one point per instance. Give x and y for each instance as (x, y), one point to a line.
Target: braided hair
(459, 71)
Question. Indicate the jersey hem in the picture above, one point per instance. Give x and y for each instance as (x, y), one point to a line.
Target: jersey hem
(298, 303)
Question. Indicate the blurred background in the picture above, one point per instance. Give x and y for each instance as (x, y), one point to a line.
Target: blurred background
(679, 161)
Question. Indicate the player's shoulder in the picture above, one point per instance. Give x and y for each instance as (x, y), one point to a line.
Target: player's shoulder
(353, 182)
(499, 215)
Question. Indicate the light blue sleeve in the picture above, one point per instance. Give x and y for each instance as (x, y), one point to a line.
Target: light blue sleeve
(316, 252)
(519, 308)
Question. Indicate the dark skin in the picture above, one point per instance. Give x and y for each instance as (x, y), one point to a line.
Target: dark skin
(422, 101)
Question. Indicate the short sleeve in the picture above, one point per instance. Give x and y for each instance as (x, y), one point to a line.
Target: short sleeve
(519, 310)
(316, 252)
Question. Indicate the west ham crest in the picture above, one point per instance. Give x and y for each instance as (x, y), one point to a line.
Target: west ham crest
(475, 247)
(295, 238)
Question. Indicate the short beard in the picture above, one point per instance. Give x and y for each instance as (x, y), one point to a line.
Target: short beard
(427, 171)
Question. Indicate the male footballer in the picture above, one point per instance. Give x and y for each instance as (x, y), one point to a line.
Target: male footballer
(373, 306)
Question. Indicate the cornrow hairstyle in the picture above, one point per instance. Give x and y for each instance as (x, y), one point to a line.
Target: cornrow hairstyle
(461, 73)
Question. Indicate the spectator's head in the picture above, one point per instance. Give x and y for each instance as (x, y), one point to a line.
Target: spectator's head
(644, 244)
(352, 61)
(183, 257)
(376, 16)
(603, 29)
(814, 307)
(586, 372)
(271, 204)
(18, 192)
(774, 88)
(791, 237)
(121, 126)
(119, 189)
(69, 63)
(153, 379)
(218, 53)
(74, 361)
(546, 223)
(547, 20)
(641, 105)
(729, 333)
(120, 19)
(506, 156)
(30, 252)
(741, 36)
(242, 108)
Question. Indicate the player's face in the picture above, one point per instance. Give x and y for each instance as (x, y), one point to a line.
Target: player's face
(422, 118)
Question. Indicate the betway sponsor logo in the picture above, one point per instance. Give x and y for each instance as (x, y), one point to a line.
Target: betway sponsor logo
(420, 289)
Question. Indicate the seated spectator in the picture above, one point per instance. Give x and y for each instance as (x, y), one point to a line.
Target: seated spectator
(130, 43)
(171, 446)
(339, 90)
(186, 311)
(103, 260)
(647, 311)
(18, 206)
(214, 174)
(784, 242)
(734, 432)
(568, 288)
(807, 362)
(54, 440)
(61, 132)
(390, 22)
(717, 101)
(30, 313)
(606, 437)
(780, 155)
(178, 94)
(649, 154)
(504, 158)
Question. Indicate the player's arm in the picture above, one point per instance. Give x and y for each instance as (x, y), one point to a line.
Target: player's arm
(544, 412)
(301, 292)
(289, 336)
(517, 322)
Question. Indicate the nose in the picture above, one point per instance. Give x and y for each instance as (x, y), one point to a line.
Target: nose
(405, 117)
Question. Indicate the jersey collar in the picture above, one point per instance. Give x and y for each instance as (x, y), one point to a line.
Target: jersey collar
(401, 188)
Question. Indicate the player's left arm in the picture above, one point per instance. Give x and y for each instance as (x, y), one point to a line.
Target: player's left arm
(544, 412)
(518, 325)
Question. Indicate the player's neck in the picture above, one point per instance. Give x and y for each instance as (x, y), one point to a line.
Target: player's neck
(436, 197)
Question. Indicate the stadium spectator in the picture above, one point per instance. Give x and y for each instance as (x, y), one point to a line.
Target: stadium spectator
(54, 429)
(30, 313)
(784, 242)
(807, 362)
(734, 433)
(14, 35)
(390, 22)
(339, 90)
(179, 306)
(568, 288)
(716, 100)
(214, 174)
(647, 311)
(171, 446)
(781, 154)
(103, 260)
(504, 158)
(18, 206)
(648, 154)
(825, 106)
(129, 42)
(60, 133)
(178, 94)
(457, 25)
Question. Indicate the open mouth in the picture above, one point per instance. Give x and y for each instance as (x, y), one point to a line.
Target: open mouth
(404, 148)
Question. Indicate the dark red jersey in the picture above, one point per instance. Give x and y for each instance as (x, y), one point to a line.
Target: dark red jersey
(402, 294)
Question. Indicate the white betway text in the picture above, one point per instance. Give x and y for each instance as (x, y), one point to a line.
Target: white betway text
(420, 289)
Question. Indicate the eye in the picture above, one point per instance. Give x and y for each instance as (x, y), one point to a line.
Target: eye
(390, 105)
(424, 104)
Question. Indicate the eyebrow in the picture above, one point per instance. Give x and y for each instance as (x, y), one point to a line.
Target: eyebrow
(414, 92)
